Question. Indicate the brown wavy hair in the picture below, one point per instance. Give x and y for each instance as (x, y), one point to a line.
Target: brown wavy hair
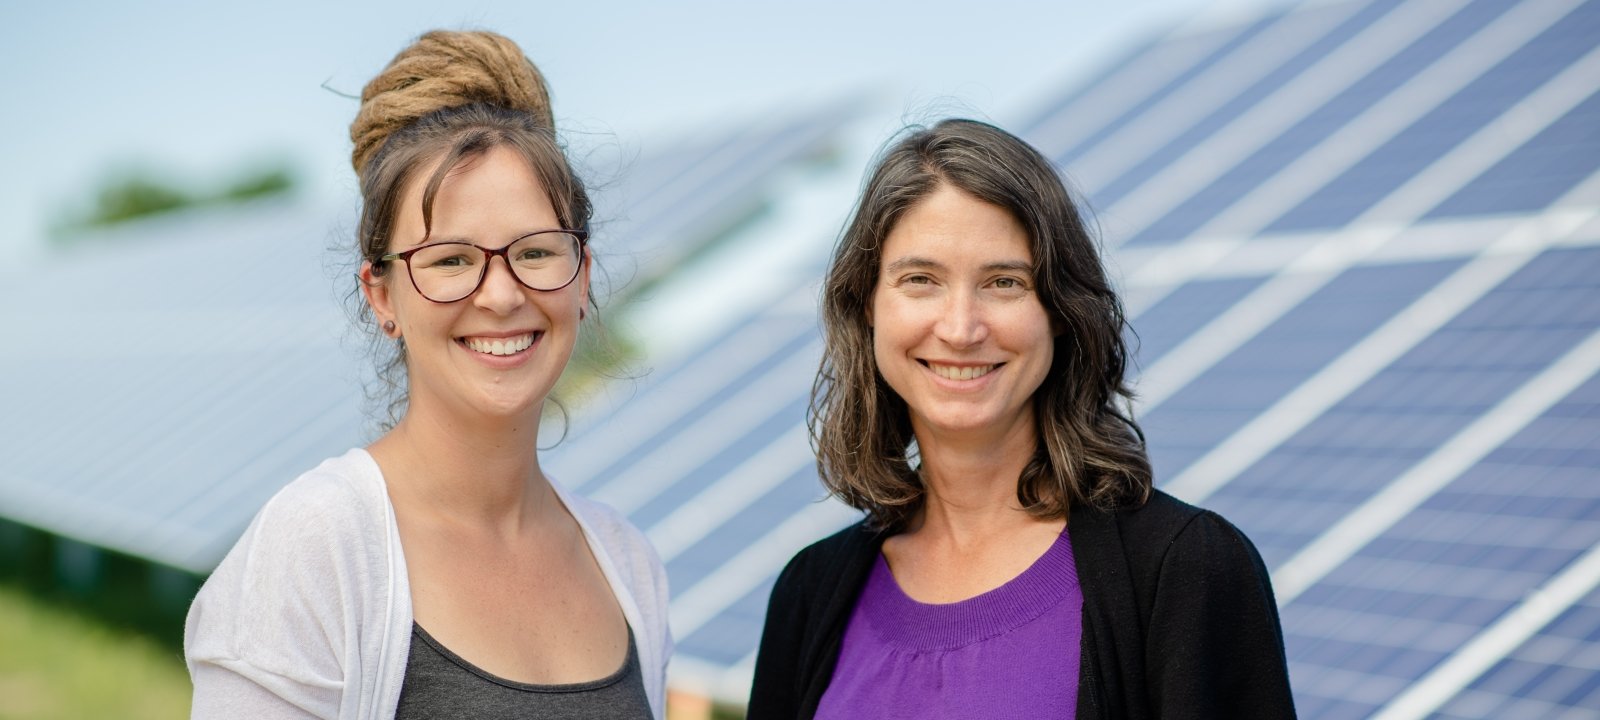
(1090, 450)
(446, 99)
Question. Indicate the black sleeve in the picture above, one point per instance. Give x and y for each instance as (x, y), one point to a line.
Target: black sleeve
(1215, 644)
(775, 692)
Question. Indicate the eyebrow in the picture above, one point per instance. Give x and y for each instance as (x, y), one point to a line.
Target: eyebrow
(1015, 265)
(437, 239)
(912, 262)
(922, 263)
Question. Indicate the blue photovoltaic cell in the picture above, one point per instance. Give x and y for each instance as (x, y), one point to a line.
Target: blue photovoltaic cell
(1245, 34)
(722, 543)
(1114, 190)
(1556, 673)
(733, 634)
(683, 193)
(1416, 404)
(1178, 315)
(1278, 359)
(1108, 73)
(1317, 126)
(1539, 172)
(735, 386)
(1455, 565)
(1443, 128)
(744, 443)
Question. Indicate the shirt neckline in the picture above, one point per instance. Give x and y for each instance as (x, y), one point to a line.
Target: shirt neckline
(904, 622)
(628, 661)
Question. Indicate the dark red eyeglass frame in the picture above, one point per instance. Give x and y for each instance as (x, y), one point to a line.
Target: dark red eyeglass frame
(488, 256)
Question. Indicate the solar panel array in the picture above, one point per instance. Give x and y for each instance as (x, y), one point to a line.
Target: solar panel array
(1360, 244)
(160, 381)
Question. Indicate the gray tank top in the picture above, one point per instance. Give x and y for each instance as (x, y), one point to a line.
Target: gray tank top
(439, 684)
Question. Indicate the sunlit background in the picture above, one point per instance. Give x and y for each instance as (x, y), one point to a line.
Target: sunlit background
(1358, 242)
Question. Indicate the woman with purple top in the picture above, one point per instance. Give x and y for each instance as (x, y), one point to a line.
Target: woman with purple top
(1015, 560)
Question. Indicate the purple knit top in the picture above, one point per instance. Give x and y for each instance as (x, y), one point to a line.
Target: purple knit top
(1011, 652)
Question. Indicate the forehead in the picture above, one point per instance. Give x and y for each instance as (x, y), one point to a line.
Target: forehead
(482, 198)
(950, 225)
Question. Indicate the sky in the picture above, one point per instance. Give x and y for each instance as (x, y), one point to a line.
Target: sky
(200, 92)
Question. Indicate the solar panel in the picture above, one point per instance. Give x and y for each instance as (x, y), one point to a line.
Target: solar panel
(1340, 28)
(1543, 169)
(1184, 60)
(1171, 319)
(1293, 375)
(1404, 155)
(206, 360)
(1464, 558)
(1553, 674)
(1240, 386)
(1360, 246)
(1277, 151)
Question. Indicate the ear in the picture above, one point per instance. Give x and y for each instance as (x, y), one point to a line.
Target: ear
(583, 281)
(376, 290)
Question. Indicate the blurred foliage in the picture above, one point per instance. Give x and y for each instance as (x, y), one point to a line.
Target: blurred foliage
(108, 644)
(602, 354)
(134, 197)
(268, 182)
(62, 664)
(132, 193)
(119, 591)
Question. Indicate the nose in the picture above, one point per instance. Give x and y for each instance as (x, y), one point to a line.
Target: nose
(500, 292)
(963, 323)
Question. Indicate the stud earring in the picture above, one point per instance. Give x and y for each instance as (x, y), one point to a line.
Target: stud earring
(580, 313)
(388, 326)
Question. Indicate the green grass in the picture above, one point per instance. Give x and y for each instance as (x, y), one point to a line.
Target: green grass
(58, 663)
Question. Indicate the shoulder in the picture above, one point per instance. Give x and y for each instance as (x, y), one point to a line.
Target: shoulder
(315, 555)
(1162, 516)
(809, 606)
(331, 514)
(828, 559)
(1162, 522)
(1191, 531)
(320, 513)
(1167, 539)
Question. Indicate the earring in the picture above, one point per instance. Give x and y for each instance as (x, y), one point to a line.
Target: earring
(580, 313)
(388, 326)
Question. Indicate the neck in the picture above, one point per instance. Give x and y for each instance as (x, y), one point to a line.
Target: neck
(480, 471)
(971, 482)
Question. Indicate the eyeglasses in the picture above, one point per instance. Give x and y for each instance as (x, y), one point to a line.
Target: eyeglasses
(445, 272)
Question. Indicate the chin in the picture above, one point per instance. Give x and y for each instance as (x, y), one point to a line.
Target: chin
(960, 423)
(509, 406)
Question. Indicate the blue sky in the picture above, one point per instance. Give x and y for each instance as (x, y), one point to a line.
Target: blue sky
(202, 90)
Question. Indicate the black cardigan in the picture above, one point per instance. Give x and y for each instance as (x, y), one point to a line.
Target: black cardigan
(1178, 619)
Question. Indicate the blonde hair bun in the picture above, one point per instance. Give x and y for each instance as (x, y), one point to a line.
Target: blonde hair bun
(445, 69)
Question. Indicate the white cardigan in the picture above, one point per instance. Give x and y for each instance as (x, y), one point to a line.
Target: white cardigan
(309, 615)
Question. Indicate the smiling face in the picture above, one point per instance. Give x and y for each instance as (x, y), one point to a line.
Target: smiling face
(497, 352)
(958, 330)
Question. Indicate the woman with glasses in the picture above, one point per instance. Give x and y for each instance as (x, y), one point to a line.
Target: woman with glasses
(438, 572)
(1015, 561)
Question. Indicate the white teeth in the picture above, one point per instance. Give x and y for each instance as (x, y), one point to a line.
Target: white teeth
(952, 372)
(502, 346)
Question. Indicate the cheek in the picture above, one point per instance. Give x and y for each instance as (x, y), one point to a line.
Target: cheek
(888, 328)
(1036, 332)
